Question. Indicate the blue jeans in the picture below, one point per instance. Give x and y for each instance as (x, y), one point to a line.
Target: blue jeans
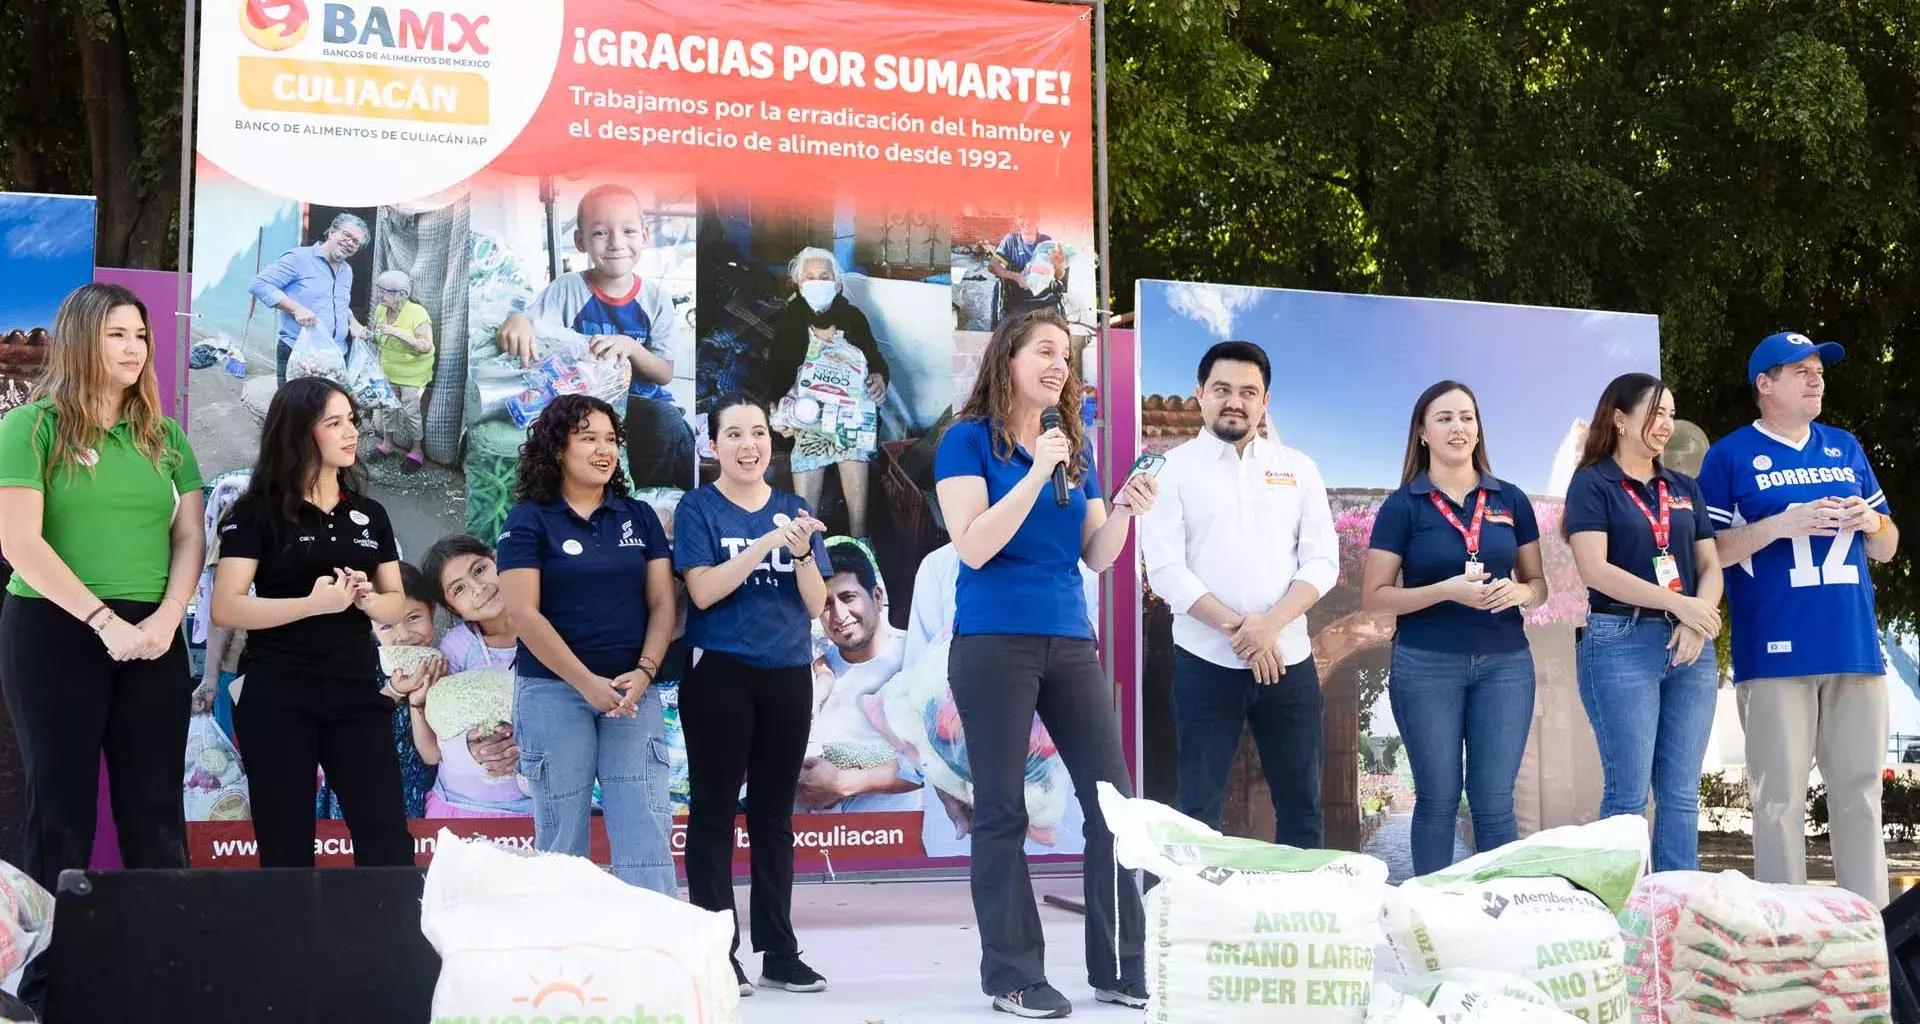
(1213, 705)
(1652, 721)
(565, 744)
(1440, 701)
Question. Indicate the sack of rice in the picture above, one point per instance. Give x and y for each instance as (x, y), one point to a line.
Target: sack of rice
(1244, 931)
(1718, 948)
(1541, 909)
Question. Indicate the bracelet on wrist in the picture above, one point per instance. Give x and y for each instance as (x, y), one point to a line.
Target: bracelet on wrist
(1886, 523)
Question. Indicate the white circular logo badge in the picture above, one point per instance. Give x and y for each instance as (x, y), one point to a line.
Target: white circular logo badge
(359, 518)
(351, 104)
(781, 519)
(89, 458)
(572, 547)
(1762, 463)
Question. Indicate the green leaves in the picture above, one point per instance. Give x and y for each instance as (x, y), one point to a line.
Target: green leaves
(1737, 169)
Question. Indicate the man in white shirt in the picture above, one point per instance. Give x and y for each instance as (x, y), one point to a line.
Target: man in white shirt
(1240, 545)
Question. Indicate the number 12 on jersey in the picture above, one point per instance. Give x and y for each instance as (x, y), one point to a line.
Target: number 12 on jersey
(1834, 570)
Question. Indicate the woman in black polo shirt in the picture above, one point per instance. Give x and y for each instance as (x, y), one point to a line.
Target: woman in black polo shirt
(320, 559)
(588, 578)
(1648, 676)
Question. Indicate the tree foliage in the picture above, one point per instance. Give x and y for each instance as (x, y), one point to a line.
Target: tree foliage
(90, 105)
(1737, 169)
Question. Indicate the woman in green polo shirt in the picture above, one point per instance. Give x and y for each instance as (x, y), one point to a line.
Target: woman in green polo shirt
(100, 511)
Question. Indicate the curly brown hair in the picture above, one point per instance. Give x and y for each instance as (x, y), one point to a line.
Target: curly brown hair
(539, 479)
(992, 398)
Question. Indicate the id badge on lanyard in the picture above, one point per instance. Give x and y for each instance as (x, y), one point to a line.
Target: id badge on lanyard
(1470, 534)
(1666, 568)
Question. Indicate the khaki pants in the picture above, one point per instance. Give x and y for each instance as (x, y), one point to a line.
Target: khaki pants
(1840, 722)
(402, 425)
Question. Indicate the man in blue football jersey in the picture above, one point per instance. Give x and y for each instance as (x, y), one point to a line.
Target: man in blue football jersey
(1798, 514)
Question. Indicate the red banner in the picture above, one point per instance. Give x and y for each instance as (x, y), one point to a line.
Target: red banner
(820, 841)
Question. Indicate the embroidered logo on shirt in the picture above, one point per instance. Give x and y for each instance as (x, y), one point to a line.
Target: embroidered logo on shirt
(1832, 453)
(1681, 501)
(572, 547)
(1500, 516)
(627, 539)
(365, 539)
(1281, 479)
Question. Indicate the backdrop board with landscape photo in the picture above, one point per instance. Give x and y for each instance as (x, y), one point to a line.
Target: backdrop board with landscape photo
(1347, 369)
(46, 251)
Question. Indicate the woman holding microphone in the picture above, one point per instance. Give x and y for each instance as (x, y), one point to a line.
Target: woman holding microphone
(751, 557)
(307, 564)
(1455, 556)
(1022, 644)
(1648, 678)
(589, 590)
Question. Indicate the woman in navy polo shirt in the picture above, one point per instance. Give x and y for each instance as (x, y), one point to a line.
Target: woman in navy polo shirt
(751, 557)
(1022, 643)
(1455, 556)
(1648, 676)
(307, 564)
(589, 589)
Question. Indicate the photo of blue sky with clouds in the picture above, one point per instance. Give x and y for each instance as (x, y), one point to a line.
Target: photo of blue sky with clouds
(1347, 368)
(46, 251)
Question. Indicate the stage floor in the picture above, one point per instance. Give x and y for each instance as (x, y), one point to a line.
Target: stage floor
(907, 953)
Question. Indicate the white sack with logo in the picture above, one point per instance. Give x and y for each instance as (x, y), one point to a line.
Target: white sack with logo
(1245, 932)
(1541, 909)
(528, 936)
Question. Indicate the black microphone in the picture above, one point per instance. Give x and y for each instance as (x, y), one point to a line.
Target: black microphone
(1050, 420)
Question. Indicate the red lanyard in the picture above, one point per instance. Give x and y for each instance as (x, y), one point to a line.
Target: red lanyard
(1663, 526)
(1469, 534)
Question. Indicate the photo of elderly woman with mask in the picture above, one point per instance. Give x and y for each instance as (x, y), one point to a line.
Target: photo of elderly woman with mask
(818, 327)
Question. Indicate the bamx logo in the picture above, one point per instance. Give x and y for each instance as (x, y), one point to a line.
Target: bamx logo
(410, 30)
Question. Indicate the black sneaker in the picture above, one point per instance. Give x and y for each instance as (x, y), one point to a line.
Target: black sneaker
(1131, 994)
(739, 975)
(1039, 1001)
(788, 971)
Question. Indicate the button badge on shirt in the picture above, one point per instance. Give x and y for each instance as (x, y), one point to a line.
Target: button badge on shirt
(572, 547)
(359, 518)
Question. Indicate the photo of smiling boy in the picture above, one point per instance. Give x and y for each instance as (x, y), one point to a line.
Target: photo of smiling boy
(624, 316)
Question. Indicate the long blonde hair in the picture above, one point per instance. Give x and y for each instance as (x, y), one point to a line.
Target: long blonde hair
(992, 398)
(76, 378)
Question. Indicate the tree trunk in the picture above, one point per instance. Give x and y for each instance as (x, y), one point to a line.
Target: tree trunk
(131, 221)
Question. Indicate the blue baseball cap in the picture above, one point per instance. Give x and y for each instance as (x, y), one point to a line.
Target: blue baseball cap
(1789, 347)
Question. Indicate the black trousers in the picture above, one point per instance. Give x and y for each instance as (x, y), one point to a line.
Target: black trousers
(999, 683)
(70, 701)
(742, 721)
(291, 724)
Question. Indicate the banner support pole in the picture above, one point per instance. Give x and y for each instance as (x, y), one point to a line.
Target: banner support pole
(183, 317)
(1103, 310)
